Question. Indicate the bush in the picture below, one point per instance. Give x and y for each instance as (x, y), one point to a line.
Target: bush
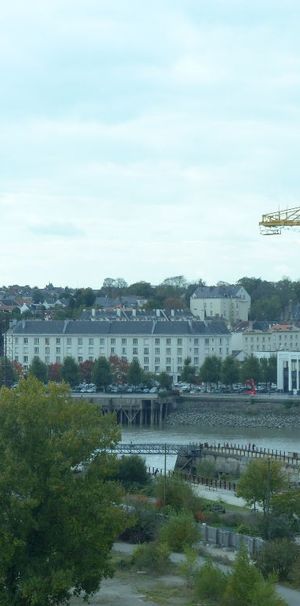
(146, 522)
(153, 557)
(179, 531)
(132, 472)
(277, 557)
(176, 493)
(210, 583)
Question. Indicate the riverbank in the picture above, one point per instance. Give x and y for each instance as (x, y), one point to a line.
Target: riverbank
(235, 414)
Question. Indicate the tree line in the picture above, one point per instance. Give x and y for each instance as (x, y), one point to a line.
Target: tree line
(104, 372)
(269, 300)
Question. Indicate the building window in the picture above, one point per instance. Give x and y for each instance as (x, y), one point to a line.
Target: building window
(47, 359)
(36, 340)
(146, 350)
(91, 350)
(47, 350)
(196, 341)
(146, 360)
(157, 368)
(157, 351)
(25, 340)
(69, 341)
(80, 359)
(91, 358)
(101, 350)
(179, 360)
(16, 358)
(196, 351)
(179, 351)
(135, 351)
(157, 341)
(16, 340)
(124, 352)
(47, 341)
(112, 351)
(168, 368)
(36, 351)
(168, 341)
(91, 341)
(113, 341)
(168, 360)
(146, 368)
(124, 341)
(179, 341)
(157, 360)
(101, 341)
(79, 341)
(206, 341)
(58, 350)
(58, 340)
(196, 361)
(135, 341)
(168, 351)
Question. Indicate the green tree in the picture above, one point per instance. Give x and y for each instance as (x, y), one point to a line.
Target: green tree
(210, 371)
(260, 481)
(179, 531)
(70, 371)
(188, 373)
(277, 557)
(268, 368)
(7, 372)
(165, 380)
(135, 373)
(246, 586)
(210, 583)
(39, 369)
(250, 369)
(86, 370)
(56, 526)
(102, 376)
(230, 372)
(131, 470)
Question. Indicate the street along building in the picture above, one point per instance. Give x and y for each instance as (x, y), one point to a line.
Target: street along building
(157, 345)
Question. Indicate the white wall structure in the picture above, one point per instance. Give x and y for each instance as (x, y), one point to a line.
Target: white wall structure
(288, 371)
(158, 345)
(279, 337)
(232, 303)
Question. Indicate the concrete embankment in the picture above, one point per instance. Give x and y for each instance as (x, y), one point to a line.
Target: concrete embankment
(214, 412)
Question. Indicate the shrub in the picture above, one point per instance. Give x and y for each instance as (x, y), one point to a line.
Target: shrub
(153, 557)
(210, 583)
(179, 531)
(146, 522)
(177, 493)
(132, 472)
(277, 557)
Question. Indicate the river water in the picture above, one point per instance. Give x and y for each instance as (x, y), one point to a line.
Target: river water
(287, 439)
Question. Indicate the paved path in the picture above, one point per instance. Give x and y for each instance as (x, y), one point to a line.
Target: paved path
(215, 494)
(291, 596)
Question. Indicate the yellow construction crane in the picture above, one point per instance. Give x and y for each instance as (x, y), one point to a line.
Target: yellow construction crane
(272, 223)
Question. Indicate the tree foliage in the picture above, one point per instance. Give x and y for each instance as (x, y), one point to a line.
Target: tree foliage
(39, 369)
(70, 371)
(135, 373)
(260, 481)
(56, 527)
(101, 374)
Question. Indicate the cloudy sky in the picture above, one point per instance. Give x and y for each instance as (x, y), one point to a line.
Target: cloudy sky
(146, 139)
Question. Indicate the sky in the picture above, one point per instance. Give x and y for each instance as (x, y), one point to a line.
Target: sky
(145, 140)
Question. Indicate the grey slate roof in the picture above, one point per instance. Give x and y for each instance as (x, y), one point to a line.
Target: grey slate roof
(216, 292)
(117, 327)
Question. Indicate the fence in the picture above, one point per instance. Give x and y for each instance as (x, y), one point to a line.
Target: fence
(227, 538)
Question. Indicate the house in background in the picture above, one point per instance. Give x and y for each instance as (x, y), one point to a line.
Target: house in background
(228, 302)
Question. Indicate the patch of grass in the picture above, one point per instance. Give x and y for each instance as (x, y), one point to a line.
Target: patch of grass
(164, 595)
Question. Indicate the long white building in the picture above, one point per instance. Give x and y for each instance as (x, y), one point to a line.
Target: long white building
(158, 345)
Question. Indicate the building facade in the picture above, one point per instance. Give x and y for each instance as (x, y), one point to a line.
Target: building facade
(157, 345)
(232, 303)
(288, 371)
(273, 338)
